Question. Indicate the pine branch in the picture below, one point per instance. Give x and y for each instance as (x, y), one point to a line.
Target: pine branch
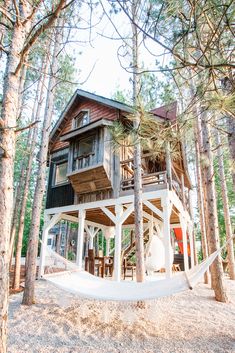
(5, 13)
(53, 16)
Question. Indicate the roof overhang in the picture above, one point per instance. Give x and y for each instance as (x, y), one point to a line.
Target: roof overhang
(79, 131)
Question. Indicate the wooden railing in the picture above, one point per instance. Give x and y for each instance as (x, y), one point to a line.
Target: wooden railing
(83, 161)
(157, 178)
(180, 190)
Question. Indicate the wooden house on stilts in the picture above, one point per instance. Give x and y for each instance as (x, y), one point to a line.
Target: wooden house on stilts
(91, 184)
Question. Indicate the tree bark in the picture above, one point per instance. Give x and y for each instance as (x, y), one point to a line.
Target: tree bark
(7, 151)
(227, 220)
(35, 116)
(138, 204)
(32, 250)
(231, 144)
(211, 213)
(198, 149)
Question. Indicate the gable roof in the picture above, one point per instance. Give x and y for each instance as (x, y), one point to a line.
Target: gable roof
(92, 96)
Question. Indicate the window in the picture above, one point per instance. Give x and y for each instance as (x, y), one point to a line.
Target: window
(81, 119)
(60, 173)
(86, 146)
(84, 152)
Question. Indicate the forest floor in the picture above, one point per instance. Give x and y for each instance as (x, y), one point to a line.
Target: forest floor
(62, 323)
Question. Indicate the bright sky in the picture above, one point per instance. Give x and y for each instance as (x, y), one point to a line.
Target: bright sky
(101, 57)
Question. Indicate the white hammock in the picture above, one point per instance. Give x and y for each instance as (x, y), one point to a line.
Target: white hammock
(86, 285)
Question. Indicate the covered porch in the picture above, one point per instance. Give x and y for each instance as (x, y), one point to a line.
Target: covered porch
(163, 212)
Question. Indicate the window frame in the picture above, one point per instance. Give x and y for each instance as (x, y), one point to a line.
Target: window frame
(56, 164)
(74, 127)
(92, 136)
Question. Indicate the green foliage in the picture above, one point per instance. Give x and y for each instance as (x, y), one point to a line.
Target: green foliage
(231, 194)
(65, 87)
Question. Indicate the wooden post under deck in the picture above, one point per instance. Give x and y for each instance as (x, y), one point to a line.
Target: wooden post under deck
(81, 224)
(185, 243)
(118, 243)
(43, 245)
(167, 234)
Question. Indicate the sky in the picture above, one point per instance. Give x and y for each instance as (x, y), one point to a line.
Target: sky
(99, 64)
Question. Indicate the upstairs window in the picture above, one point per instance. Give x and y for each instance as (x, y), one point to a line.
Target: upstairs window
(84, 153)
(60, 173)
(81, 119)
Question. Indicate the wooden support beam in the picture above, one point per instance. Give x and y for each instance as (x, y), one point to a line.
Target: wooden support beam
(183, 224)
(118, 243)
(153, 208)
(109, 214)
(44, 245)
(167, 234)
(55, 219)
(127, 213)
(80, 239)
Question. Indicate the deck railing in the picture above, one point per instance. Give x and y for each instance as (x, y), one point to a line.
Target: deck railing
(83, 161)
(158, 178)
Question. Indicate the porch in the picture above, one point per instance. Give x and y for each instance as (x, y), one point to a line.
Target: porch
(162, 211)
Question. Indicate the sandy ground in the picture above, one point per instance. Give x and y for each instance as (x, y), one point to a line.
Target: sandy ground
(61, 323)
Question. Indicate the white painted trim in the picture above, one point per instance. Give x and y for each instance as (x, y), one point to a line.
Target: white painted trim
(166, 205)
(80, 240)
(149, 217)
(44, 245)
(158, 194)
(127, 213)
(118, 244)
(55, 219)
(109, 214)
(153, 208)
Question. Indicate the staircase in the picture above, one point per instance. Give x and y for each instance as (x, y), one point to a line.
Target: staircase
(129, 252)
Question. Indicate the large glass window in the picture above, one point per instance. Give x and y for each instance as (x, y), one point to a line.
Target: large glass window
(84, 152)
(81, 119)
(60, 173)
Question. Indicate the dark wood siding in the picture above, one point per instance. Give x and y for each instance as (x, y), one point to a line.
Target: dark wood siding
(63, 195)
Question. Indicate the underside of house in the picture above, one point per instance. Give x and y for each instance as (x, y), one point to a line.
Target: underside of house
(91, 182)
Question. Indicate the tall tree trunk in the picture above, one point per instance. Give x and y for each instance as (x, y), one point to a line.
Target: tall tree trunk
(231, 143)
(7, 150)
(31, 258)
(211, 213)
(16, 208)
(138, 204)
(198, 148)
(227, 220)
(20, 185)
(35, 117)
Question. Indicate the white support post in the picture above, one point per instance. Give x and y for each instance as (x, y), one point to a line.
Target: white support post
(185, 244)
(190, 230)
(107, 246)
(80, 239)
(44, 245)
(90, 244)
(118, 243)
(167, 234)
